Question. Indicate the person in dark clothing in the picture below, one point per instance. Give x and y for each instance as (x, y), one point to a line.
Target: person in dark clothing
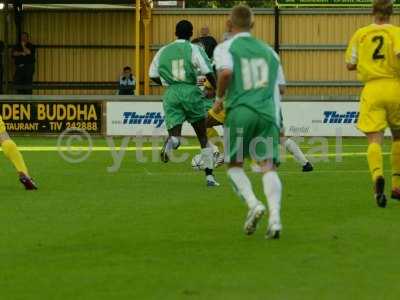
(24, 58)
(1, 66)
(127, 82)
(208, 41)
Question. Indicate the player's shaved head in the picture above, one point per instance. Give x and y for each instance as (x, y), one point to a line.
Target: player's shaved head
(242, 17)
(382, 8)
(184, 30)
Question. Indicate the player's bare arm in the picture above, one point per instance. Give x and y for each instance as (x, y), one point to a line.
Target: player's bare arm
(351, 67)
(224, 78)
(211, 79)
(282, 89)
(157, 80)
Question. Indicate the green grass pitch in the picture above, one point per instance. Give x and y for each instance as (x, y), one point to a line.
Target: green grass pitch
(154, 231)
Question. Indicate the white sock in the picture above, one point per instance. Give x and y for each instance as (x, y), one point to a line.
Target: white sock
(213, 147)
(208, 158)
(273, 191)
(242, 186)
(294, 149)
(173, 143)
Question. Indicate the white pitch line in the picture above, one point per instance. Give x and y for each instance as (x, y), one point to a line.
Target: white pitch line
(94, 148)
(146, 149)
(218, 171)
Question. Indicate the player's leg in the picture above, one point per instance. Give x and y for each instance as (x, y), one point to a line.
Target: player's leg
(273, 192)
(206, 152)
(372, 121)
(243, 188)
(375, 163)
(172, 142)
(214, 139)
(291, 146)
(174, 118)
(193, 104)
(393, 116)
(239, 128)
(212, 134)
(11, 151)
(266, 153)
(213, 120)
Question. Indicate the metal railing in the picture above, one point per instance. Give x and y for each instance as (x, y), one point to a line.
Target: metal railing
(117, 98)
(107, 85)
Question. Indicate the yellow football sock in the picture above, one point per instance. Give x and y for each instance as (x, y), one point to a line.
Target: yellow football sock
(12, 153)
(214, 137)
(396, 164)
(375, 160)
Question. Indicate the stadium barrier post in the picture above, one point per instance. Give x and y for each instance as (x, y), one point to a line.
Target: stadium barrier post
(277, 27)
(6, 58)
(137, 47)
(104, 118)
(146, 23)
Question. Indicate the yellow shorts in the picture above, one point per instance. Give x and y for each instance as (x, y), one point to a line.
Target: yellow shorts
(2, 126)
(380, 106)
(220, 117)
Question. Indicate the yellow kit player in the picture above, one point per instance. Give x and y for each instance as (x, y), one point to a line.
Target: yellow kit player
(374, 51)
(214, 119)
(11, 151)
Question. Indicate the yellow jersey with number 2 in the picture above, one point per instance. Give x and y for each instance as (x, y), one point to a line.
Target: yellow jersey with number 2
(373, 49)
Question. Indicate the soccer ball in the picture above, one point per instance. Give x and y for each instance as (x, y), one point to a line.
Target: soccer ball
(197, 163)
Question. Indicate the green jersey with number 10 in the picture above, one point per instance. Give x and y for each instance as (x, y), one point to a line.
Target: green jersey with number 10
(255, 68)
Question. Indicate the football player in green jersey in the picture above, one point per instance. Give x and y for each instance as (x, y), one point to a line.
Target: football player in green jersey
(176, 67)
(248, 90)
